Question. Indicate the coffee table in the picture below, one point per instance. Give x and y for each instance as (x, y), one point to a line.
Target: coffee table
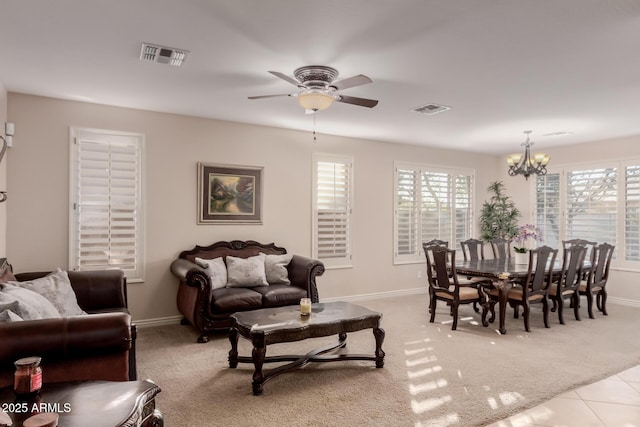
(285, 324)
(89, 403)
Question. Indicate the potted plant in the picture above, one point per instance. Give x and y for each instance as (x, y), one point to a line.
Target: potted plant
(525, 239)
(499, 215)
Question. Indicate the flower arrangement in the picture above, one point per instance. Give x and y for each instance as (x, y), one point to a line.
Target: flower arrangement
(526, 233)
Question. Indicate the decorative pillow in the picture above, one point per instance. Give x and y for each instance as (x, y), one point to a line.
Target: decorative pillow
(27, 304)
(56, 288)
(246, 272)
(216, 270)
(276, 268)
(6, 275)
(8, 312)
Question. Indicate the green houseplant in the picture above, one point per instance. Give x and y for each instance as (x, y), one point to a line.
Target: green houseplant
(499, 215)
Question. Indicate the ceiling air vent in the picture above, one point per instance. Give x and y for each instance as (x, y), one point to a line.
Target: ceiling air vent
(431, 109)
(163, 54)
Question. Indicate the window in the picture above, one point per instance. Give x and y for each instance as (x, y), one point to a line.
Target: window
(106, 219)
(332, 209)
(430, 203)
(598, 203)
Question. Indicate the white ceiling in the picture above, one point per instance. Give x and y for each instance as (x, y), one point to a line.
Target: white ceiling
(503, 66)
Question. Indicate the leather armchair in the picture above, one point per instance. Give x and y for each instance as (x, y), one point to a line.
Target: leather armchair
(98, 346)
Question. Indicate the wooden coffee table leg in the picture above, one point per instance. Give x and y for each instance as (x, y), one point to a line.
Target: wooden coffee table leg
(258, 354)
(378, 333)
(233, 353)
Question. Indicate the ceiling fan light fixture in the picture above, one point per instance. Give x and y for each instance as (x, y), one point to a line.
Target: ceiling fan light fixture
(315, 101)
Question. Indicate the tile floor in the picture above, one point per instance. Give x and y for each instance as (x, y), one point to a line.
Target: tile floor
(612, 402)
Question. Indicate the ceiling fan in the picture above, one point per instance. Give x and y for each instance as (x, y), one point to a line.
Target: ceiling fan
(318, 88)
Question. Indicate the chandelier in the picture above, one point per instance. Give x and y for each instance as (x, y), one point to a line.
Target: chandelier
(524, 164)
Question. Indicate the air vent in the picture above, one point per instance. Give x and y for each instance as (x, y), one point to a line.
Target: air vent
(431, 109)
(163, 54)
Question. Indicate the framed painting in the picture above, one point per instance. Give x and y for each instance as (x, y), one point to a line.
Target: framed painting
(229, 194)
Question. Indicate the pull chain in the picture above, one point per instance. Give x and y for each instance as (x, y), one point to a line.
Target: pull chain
(314, 128)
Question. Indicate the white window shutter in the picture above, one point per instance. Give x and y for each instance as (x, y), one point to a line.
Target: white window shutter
(333, 198)
(548, 213)
(592, 205)
(632, 213)
(430, 203)
(107, 223)
(407, 211)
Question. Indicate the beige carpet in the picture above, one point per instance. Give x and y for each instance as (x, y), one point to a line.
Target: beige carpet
(432, 376)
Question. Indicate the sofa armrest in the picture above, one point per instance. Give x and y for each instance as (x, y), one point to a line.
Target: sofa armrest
(190, 273)
(303, 272)
(95, 290)
(67, 337)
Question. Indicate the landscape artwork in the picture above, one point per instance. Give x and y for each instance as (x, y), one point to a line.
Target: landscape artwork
(229, 194)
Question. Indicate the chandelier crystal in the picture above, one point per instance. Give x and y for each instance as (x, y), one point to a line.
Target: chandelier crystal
(524, 164)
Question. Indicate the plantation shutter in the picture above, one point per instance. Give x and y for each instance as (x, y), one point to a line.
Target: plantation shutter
(632, 213)
(548, 208)
(407, 212)
(106, 224)
(437, 206)
(463, 208)
(333, 199)
(430, 204)
(592, 205)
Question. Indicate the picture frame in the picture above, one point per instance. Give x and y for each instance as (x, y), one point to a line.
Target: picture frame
(229, 194)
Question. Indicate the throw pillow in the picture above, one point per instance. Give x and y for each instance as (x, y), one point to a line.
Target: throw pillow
(6, 275)
(276, 268)
(216, 270)
(246, 272)
(8, 312)
(28, 304)
(56, 288)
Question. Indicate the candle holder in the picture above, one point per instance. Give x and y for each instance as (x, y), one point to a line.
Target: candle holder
(305, 306)
(28, 377)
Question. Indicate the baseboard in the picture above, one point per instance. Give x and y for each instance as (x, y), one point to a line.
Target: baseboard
(172, 320)
(623, 301)
(377, 295)
(160, 321)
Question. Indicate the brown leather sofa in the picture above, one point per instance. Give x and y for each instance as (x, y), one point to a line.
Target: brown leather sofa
(210, 310)
(98, 346)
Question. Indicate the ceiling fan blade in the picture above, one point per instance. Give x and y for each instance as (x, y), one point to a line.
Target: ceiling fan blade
(358, 80)
(271, 96)
(286, 78)
(362, 102)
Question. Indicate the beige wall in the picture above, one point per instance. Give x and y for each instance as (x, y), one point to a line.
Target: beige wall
(3, 174)
(38, 179)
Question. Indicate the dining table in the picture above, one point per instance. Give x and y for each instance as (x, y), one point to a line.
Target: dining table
(493, 269)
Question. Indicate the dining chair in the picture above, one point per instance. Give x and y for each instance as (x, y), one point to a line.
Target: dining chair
(444, 284)
(566, 244)
(567, 283)
(501, 248)
(463, 280)
(472, 249)
(533, 288)
(425, 247)
(597, 278)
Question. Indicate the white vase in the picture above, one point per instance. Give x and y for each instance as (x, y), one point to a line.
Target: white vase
(522, 258)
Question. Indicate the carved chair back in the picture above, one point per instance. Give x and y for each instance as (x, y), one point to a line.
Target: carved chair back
(472, 249)
(539, 274)
(501, 248)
